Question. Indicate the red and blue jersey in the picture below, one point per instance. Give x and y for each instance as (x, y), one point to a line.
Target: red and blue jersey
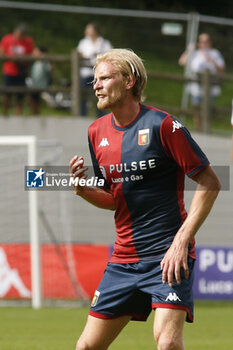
(144, 166)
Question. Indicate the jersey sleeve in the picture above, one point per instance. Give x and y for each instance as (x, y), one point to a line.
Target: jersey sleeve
(3, 42)
(98, 170)
(181, 147)
(219, 59)
(81, 46)
(30, 45)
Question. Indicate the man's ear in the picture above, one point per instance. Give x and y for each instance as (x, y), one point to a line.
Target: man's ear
(130, 82)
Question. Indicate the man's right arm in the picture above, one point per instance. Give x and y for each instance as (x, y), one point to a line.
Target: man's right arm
(94, 195)
(186, 54)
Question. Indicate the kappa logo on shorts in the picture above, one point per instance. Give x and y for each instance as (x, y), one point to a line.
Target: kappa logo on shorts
(172, 297)
(95, 298)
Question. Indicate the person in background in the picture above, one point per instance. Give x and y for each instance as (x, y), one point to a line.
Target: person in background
(14, 73)
(88, 48)
(202, 58)
(40, 77)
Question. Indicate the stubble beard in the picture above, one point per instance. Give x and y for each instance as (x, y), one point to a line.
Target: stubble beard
(111, 102)
(102, 105)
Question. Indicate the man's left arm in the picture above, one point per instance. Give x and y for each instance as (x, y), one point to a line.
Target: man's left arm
(216, 60)
(208, 187)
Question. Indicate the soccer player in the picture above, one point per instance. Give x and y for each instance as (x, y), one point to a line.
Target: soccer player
(143, 154)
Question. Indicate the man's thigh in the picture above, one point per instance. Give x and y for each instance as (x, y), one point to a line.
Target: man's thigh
(169, 325)
(99, 333)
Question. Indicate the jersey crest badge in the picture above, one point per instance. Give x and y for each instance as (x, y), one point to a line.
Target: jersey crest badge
(143, 137)
(95, 298)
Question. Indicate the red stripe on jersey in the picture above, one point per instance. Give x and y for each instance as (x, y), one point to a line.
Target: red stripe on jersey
(108, 154)
(156, 109)
(178, 148)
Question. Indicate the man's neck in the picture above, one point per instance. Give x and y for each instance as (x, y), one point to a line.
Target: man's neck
(126, 114)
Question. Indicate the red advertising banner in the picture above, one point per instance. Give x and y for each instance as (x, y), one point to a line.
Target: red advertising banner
(68, 271)
(74, 271)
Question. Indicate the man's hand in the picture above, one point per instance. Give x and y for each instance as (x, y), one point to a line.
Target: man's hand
(174, 259)
(77, 170)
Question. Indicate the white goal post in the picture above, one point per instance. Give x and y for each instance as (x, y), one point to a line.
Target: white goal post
(44, 259)
(30, 142)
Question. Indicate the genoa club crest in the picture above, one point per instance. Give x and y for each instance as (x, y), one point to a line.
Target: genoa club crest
(143, 137)
(95, 298)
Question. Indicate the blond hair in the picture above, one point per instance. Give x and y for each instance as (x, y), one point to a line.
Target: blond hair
(128, 64)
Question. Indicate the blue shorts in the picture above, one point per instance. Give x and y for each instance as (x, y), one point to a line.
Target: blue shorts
(136, 288)
(11, 80)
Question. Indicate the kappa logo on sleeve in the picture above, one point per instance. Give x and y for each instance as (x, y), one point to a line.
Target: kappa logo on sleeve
(176, 125)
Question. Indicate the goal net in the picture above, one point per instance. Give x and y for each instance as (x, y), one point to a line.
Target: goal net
(38, 257)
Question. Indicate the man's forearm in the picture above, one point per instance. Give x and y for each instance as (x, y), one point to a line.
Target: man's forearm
(206, 192)
(94, 195)
(97, 197)
(199, 210)
(203, 200)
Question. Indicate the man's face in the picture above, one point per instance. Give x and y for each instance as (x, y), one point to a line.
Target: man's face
(19, 34)
(110, 86)
(204, 41)
(90, 31)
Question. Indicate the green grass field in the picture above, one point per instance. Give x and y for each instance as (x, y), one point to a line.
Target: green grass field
(59, 328)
